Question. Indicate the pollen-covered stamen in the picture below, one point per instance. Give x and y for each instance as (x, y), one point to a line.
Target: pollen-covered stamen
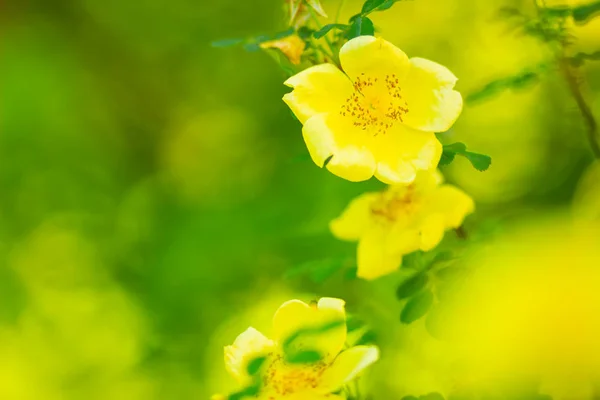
(282, 378)
(391, 205)
(375, 105)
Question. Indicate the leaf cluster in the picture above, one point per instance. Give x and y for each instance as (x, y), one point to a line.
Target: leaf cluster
(417, 289)
(359, 24)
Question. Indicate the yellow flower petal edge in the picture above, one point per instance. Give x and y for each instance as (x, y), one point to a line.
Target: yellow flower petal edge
(310, 326)
(247, 346)
(399, 220)
(379, 116)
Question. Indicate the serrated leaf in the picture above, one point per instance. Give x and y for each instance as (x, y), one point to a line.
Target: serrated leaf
(254, 365)
(416, 307)
(227, 42)
(447, 158)
(412, 286)
(326, 28)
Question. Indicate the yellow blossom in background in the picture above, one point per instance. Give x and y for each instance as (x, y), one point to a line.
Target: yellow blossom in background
(400, 220)
(324, 328)
(379, 116)
(291, 46)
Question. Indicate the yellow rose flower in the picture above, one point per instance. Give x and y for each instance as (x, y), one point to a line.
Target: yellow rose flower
(299, 327)
(400, 220)
(379, 116)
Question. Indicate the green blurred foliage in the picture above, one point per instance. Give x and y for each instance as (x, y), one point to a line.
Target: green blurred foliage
(156, 190)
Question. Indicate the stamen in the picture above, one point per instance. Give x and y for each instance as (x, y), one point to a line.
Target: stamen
(375, 107)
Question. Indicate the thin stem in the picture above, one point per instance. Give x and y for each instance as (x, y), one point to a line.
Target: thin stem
(584, 108)
(575, 89)
(319, 26)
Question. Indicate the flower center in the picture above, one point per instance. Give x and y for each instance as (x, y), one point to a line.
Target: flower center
(375, 104)
(283, 379)
(392, 205)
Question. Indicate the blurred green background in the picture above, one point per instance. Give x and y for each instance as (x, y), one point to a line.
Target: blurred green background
(154, 190)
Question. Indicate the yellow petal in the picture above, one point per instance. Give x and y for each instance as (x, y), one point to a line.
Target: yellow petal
(249, 345)
(329, 135)
(318, 89)
(291, 46)
(404, 238)
(432, 231)
(402, 152)
(295, 316)
(352, 163)
(373, 56)
(355, 219)
(433, 104)
(347, 366)
(453, 204)
(375, 256)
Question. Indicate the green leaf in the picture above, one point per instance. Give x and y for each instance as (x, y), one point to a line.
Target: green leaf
(227, 42)
(416, 307)
(305, 32)
(368, 338)
(457, 147)
(519, 81)
(412, 286)
(304, 357)
(361, 26)
(325, 29)
(317, 270)
(584, 13)
(353, 323)
(447, 158)
(409, 398)
(413, 260)
(480, 162)
(254, 365)
(376, 5)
